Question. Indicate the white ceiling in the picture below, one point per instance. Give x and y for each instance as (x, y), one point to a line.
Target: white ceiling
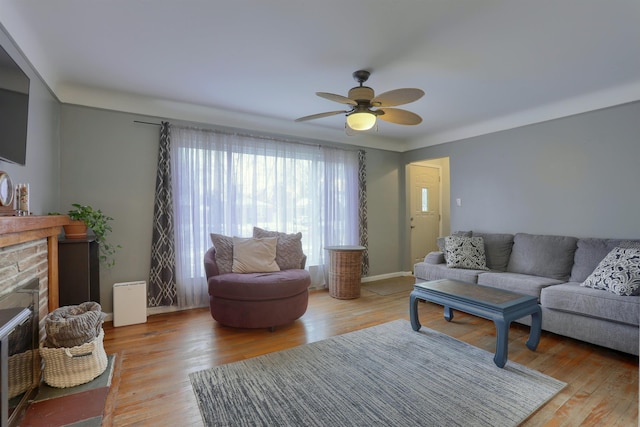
(484, 65)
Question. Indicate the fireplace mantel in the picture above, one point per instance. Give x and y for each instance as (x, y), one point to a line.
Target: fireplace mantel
(19, 229)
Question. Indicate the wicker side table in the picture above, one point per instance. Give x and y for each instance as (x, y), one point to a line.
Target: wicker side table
(345, 265)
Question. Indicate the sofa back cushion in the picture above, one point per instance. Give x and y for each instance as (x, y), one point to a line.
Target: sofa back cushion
(497, 249)
(588, 255)
(539, 255)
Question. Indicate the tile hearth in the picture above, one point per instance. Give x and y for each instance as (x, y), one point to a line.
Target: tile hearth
(80, 406)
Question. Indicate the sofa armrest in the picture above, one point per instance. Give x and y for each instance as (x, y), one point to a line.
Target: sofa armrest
(434, 258)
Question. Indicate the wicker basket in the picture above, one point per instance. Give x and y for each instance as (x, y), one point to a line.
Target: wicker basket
(344, 273)
(22, 373)
(69, 367)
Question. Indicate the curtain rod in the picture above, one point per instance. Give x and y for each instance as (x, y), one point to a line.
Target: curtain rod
(225, 132)
(147, 123)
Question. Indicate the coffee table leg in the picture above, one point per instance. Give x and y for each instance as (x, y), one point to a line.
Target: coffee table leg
(502, 341)
(448, 313)
(535, 331)
(413, 311)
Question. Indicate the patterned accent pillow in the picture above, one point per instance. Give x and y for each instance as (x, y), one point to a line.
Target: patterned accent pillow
(465, 252)
(441, 241)
(289, 253)
(224, 252)
(618, 272)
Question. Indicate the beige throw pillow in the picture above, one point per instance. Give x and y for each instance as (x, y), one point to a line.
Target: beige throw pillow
(251, 255)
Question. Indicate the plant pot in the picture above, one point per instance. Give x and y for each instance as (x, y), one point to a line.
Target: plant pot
(75, 230)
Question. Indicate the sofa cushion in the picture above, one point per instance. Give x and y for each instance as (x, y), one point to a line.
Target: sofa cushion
(425, 271)
(224, 252)
(465, 252)
(497, 249)
(435, 257)
(618, 272)
(515, 282)
(288, 250)
(630, 244)
(254, 255)
(539, 255)
(573, 298)
(588, 255)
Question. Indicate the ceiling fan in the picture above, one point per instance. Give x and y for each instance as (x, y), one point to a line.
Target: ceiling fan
(366, 107)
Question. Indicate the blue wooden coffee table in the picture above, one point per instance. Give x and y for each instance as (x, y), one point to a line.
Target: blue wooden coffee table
(503, 307)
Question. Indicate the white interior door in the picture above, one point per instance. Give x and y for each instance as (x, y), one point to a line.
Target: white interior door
(424, 203)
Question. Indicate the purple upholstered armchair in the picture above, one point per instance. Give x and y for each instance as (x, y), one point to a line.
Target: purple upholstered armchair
(255, 300)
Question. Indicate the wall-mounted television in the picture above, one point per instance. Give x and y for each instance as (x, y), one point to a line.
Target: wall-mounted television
(14, 110)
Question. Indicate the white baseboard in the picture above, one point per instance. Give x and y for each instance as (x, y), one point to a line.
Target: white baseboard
(154, 310)
(385, 276)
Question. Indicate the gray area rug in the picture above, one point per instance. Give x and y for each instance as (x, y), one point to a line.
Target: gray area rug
(387, 375)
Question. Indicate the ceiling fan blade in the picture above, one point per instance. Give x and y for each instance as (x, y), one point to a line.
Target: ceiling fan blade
(397, 97)
(320, 115)
(336, 98)
(399, 116)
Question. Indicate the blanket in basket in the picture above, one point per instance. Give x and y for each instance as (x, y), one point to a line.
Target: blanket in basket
(73, 325)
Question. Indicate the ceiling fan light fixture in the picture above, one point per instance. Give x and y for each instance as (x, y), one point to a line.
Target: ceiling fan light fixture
(366, 106)
(361, 120)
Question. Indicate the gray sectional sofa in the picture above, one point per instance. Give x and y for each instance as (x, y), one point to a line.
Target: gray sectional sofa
(551, 268)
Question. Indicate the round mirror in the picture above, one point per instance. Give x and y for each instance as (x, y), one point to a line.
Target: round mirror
(6, 189)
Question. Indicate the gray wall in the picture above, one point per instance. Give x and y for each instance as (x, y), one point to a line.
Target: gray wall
(109, 162)
(385, 195)
(577, 176)
(574, 176)
(42, 167)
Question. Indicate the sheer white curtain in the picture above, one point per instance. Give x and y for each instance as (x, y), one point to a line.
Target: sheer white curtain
(228, 183)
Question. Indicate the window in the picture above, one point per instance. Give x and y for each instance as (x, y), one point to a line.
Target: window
(424, 199)
(227, 184)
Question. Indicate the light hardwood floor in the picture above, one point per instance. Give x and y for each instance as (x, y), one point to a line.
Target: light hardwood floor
(151, 385)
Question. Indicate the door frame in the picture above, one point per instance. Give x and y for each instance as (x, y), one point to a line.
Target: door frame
(445, 214)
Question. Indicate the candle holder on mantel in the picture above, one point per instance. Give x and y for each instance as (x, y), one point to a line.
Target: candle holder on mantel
(22, 200)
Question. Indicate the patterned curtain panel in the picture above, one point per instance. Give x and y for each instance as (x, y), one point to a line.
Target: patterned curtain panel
(362, 198)
(162, 277)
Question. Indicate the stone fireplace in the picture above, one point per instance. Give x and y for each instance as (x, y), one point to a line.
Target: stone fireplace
(28, 265)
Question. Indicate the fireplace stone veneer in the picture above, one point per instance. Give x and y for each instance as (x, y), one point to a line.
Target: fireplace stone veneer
(29, 249)
(29, 255)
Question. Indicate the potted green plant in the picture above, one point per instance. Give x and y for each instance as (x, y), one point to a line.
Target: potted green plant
(86, 217)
